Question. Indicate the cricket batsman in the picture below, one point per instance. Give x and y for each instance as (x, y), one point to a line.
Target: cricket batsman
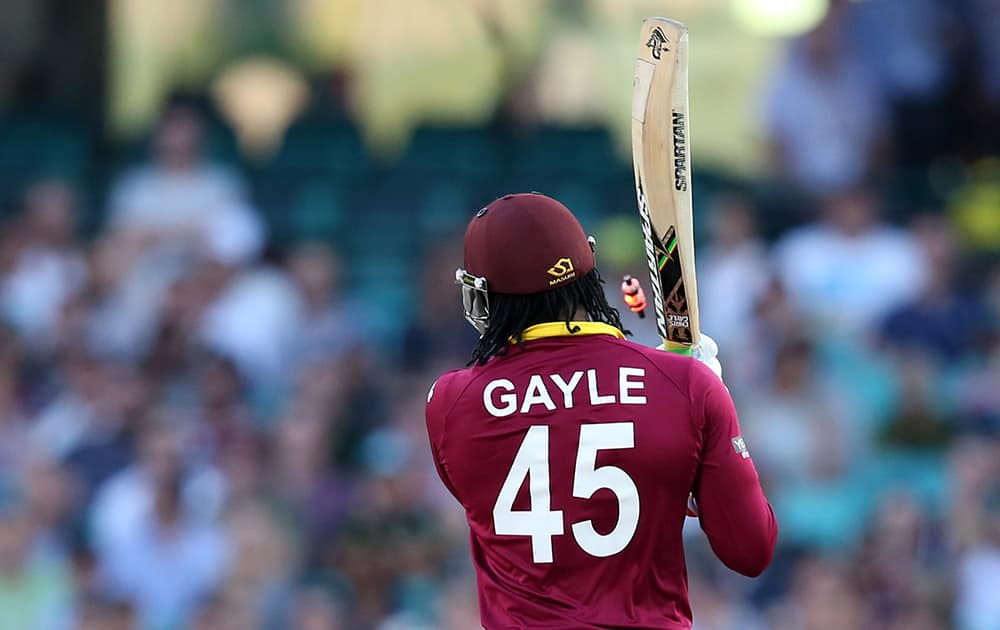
(573, 450)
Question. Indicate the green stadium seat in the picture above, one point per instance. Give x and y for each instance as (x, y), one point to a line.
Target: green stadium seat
(321, 147)
(33, 147)
(317, 212)
(457, 152)
(585, 153)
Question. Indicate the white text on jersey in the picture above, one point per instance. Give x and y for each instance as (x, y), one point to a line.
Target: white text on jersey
(501, 398)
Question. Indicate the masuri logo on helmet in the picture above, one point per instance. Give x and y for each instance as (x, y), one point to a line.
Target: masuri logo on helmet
(562, 270)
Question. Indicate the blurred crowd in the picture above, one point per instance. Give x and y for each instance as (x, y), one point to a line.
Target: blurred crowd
(200, 428)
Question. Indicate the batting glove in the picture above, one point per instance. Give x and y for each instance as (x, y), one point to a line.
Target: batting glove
(706, 351)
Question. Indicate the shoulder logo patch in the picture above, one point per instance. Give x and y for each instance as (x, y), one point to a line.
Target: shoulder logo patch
(740, 446)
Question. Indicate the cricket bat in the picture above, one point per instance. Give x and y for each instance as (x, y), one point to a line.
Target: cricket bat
(661, 159)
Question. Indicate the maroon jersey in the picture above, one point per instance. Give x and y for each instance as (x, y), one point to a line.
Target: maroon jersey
(573, 456)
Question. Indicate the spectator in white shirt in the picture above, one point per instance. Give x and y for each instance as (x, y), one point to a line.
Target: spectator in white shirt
(48, 269)
(166, 217)
(976, 604)
(849, 270)
(825, 117)
(178, 191)
(156, 532)
(732, 271)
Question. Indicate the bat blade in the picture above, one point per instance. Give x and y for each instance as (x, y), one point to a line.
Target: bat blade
(662, 163)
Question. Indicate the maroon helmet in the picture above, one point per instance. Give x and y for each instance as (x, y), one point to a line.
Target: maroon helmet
(521, 244)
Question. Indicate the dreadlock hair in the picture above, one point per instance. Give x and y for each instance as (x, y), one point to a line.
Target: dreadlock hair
(510, 314)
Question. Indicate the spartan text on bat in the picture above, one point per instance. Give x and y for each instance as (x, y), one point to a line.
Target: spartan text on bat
(680, 152)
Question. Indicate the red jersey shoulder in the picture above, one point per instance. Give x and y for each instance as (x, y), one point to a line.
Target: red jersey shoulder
(690, 374)
(676, 368)
(442, 396)
(694, 380)
(445, 390)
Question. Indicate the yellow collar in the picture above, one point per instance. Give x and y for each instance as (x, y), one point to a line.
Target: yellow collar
(558, 329)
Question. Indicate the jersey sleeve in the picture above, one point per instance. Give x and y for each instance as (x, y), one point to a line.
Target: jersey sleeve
(439, 403)
(733, 511)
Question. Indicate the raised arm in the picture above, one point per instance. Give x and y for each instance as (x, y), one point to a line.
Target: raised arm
(733, 510)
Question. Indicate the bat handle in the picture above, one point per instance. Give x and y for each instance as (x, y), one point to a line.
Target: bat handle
(634, 296)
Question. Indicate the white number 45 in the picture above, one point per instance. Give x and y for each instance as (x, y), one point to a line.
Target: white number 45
(541, 522)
